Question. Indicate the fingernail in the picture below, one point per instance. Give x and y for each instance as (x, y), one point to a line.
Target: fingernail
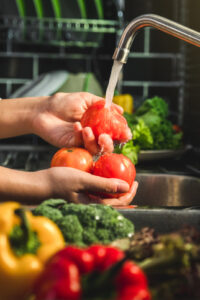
(122, 187)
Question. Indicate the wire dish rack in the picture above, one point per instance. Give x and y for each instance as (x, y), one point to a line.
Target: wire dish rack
(26, 157)
(58, 32)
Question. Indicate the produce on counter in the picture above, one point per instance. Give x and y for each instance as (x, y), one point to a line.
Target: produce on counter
(112, 165)
(125, 101)
(151, 130)
(170, 261)
(106, 120)
(77, 158)
(97, 272)
(26, 243)
(84, 225)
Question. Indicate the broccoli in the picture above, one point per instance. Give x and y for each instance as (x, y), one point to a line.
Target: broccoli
(89, 236)
(84, 225)
(71, 229)
(52, 213)
(54, 202)
(104, 235)
(121, 227)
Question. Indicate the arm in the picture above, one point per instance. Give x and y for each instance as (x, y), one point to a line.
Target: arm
(33, 187)
(16, 116)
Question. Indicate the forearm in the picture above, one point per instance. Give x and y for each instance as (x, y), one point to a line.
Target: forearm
(25, 187)
(16, 116)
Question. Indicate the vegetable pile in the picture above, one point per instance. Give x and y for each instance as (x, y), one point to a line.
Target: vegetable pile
(94, 273)
(84, 225)
(150, 129)
(171, 262)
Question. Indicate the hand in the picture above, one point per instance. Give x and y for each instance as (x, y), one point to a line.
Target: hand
(72, 185)
(57, 120)
(115, 202)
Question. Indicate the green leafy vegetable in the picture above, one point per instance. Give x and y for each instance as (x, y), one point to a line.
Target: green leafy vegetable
(150, 129)
(156, 105)
(84, 225)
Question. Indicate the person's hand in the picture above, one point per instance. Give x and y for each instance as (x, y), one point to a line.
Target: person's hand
(74, 185)
(57, 120)
(124, 200)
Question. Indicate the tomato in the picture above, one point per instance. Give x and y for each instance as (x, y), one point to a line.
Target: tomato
(106, 120)
(112, 165)
(77, 158)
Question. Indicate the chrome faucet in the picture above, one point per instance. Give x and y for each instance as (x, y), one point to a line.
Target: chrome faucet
(150, 20)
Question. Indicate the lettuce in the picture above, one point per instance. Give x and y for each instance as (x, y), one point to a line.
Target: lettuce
(150, 129)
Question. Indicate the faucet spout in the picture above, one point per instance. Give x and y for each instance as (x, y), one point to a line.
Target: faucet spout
(150, 20)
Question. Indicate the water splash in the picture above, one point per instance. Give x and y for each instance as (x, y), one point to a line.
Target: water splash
(116, 68)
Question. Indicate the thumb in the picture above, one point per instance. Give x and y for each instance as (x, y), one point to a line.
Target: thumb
(92, 183)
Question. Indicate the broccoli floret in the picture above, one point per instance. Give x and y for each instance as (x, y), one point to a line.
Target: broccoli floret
(52, 213)
(89, 236)
(71, 229)
(108, 216)
(90, 216)
(104, 235)
(54, 202)
(72, 209)
(122, 228)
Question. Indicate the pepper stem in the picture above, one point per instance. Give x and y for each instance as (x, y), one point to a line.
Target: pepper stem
(25, 225)
(103, 281)
(22, 238)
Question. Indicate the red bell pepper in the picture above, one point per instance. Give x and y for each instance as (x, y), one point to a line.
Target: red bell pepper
(96, 272)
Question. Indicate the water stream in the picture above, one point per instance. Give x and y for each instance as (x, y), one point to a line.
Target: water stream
(116, 68)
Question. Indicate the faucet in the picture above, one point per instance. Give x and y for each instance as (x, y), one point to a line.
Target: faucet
(150, 20)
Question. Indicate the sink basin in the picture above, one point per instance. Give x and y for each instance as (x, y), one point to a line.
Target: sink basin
(167, 190)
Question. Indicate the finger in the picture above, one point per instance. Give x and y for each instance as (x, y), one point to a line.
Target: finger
(78, 138)
(127, 135)
(92, 183)
(91, 99)
(106, 143)
(125, 199)
(90, 141)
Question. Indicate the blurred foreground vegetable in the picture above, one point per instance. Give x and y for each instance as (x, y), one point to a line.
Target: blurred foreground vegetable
(26, 243)
(97, 272)
(151, 130)
(171, 262)
(86, 224)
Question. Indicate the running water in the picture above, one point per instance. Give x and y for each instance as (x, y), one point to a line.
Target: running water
(116, 68)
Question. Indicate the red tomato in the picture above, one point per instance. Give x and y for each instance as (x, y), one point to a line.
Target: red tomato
(77, 158)
(106, 120)
(114, 165)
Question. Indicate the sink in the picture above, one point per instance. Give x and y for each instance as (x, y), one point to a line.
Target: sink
(167, 190)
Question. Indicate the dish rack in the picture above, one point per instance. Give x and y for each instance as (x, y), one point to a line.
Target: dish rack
(55, 32)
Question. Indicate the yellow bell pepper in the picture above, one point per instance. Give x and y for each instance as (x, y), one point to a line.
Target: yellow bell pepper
(125, 101)
(18, 273)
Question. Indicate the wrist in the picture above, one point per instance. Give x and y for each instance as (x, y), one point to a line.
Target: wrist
(37, 107)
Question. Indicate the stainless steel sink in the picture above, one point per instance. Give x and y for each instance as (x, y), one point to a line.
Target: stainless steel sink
(167, 190)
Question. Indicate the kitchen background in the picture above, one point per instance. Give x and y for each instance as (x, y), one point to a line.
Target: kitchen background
(158, 64)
